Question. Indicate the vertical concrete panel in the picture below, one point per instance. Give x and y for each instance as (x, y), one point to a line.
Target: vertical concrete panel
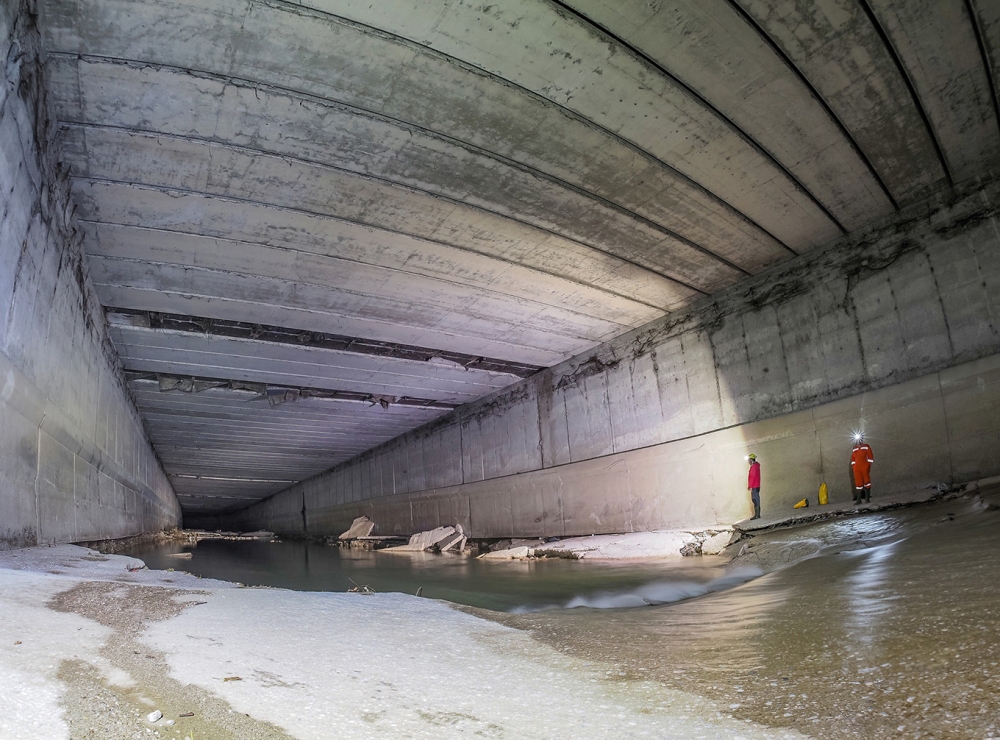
(671, 381)
(19, 447)
(843, 363)
(970, 308)
(364, 480)
(646, 402)
(472, 450)
(56, 477)
(449, 459)
(921, 316)
(575, 400)
(374, 475)
(971, 395)
(732, 367)
(703, 386)
(769, 389)
(878, 325)
(622, 407)
(500, 431)
(598, 415)
(492, 452)
(532, 448)
(803, 349)
(557, 449)
(86, 496)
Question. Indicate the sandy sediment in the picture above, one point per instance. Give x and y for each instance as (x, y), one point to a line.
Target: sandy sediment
(100, 643)
(95, 708)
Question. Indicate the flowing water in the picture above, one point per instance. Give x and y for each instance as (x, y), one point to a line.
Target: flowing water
(885, 625)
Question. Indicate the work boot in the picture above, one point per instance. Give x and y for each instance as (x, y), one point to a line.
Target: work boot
(756, 511)
(868, 495)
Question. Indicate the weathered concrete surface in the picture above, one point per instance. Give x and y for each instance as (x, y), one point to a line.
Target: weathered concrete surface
(74, 460)
(521, 181)
(893, 331)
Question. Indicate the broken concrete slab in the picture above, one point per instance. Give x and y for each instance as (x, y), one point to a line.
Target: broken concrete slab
(424, 540)
(453, 542)
(360, 527)
(514, 553)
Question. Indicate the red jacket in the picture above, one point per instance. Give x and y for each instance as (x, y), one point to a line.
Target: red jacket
(753, 479)
(862, 455)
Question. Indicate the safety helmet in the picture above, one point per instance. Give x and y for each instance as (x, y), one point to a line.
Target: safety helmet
(751, 457)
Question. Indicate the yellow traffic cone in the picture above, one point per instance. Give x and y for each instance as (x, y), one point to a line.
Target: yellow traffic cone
(824, 496)
(801, 504)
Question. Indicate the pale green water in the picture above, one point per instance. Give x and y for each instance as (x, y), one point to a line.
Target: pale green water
(497, 585)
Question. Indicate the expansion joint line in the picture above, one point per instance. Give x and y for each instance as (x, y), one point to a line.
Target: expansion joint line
(911, 88)
(708, 105)
(815, 93)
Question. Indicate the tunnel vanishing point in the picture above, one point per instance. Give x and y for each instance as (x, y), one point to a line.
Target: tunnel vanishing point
(539, 267)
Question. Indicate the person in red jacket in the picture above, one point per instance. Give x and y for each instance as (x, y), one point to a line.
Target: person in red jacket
(753, 485)
(861, 464)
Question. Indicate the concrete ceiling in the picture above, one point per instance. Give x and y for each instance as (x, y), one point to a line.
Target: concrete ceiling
(435, 198)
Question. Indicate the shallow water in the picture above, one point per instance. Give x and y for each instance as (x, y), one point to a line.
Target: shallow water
(875, 626)
(516, 586)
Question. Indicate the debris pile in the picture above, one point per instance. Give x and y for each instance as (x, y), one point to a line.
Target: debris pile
(441, 539)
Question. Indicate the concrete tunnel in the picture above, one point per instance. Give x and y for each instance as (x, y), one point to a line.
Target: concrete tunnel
(538, 267)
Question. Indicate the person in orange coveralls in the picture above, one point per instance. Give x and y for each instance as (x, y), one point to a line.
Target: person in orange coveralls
(861, 464)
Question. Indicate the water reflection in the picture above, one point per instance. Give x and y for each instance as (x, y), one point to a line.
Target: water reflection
(898, 639)
(504, 585)
(867, 589)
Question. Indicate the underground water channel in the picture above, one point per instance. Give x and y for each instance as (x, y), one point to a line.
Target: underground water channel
(879, 625)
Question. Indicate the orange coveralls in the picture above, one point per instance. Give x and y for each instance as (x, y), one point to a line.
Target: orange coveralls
(861, 463)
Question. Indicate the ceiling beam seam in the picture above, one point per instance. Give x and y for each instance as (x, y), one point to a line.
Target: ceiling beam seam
(330, 102)
(325, 313)
(299, 9)
(219, 271)
(708, 105)
(815, 93)
(911, 88)
(158, 321)
(231, 411)
(991, 78)
(308, 392)
(247, 201)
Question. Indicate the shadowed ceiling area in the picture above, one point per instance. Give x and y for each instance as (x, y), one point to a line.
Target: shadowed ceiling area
(318, 225)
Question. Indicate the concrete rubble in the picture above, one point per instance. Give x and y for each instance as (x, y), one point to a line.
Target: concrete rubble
(440, 539)
(455, 542)
(628, 546)
(360, 527)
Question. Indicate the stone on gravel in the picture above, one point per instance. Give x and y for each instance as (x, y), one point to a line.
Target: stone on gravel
(155, 716)
(716, 544)
(690, 549)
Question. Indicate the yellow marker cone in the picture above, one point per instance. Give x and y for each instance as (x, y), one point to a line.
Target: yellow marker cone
(824, 496)
(801, 504)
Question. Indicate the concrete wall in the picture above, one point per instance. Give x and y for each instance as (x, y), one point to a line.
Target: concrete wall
(75, 463)
(894, 330)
